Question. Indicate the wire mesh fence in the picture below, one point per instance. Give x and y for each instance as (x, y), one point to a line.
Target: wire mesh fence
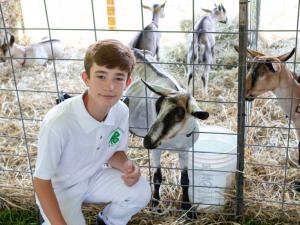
(255, 177)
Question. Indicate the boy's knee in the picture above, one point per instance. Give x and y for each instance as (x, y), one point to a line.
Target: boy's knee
(142, 192)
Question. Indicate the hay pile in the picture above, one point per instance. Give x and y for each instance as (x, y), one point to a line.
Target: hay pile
(12, 14)
(266, 171)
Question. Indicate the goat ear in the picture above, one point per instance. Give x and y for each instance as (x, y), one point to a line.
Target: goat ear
(250, 53)
(161, 91)
(162, 10)
(273, 67)
(224, 10)
(195, 111)
(163, 5)
(207, 10)
(286, 56)
(236, 47)
(147, 7)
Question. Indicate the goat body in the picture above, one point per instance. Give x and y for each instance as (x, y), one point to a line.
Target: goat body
(202, 43)
(37, 53)
(170, 113)
(149, 38)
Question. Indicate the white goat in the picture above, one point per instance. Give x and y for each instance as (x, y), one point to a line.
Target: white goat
(202, 43)
(170, 113)
(148, 39)
(37, 53)
(269, 73)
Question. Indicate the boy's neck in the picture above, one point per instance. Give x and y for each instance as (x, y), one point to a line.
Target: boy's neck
(98, 114)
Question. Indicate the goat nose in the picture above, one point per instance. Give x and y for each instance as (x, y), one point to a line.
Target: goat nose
(148, 142)
(250, 98)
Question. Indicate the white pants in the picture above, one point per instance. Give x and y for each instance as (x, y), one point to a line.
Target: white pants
(104, 187)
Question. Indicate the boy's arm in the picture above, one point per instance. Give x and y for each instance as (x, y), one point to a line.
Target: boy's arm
(131, 171)
(48, 201)
(118, 160)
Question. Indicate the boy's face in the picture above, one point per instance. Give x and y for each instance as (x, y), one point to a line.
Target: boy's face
(106, 85)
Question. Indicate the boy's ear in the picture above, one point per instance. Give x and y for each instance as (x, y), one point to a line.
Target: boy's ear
(84, 77)
(128, 82)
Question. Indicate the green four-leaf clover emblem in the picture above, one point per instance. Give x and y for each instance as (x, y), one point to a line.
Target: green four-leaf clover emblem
(114, 137)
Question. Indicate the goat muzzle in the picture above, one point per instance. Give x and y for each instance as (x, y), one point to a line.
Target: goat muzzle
(250, 98)
(148, 143)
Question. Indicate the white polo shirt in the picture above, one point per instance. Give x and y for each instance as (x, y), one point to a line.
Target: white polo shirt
(73, 146)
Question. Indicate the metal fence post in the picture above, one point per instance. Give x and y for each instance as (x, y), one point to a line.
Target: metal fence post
(243, 34)
(254, 17)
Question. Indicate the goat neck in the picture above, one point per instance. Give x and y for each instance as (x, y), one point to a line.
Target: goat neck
(155, 19)
(213, 17)
(206, 24)
(288, 87)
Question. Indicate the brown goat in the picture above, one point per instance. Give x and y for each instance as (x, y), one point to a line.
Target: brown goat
(269, 73)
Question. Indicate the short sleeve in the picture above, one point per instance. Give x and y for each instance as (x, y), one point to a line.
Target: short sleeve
(49, 154)
(124, 127)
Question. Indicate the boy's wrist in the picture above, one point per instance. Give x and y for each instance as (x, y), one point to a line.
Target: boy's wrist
(106, 165)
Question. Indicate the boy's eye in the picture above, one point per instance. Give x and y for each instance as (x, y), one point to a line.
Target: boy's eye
(101, 76)
(120, 79)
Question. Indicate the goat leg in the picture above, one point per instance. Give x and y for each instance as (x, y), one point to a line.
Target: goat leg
(204, 83)
(157, 179)
(185, 204)
(190, 76)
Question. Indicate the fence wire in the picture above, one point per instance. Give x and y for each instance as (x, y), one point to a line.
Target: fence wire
(248, 195)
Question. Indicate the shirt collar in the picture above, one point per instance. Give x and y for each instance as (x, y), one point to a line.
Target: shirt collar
(86, 121)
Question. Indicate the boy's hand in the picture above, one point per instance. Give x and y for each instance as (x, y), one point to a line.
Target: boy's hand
(131, 173)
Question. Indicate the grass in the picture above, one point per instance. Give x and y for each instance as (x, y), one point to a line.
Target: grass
(18, 217)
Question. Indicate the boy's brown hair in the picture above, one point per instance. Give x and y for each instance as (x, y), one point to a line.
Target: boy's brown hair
(110, 53)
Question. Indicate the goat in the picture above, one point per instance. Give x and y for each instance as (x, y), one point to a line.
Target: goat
(148, 39)
(172, 115)
(37, 53)
(269, 73)
(202, 43)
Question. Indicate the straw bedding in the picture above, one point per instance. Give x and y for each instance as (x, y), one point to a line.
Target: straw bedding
(12, 14)
(267, 169)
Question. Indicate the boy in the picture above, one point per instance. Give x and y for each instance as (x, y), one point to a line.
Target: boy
(82, 137)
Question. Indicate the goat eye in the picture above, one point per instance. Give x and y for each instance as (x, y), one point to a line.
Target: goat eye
(270, 67)
(179, 114)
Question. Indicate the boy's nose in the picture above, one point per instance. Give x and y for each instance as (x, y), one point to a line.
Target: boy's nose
(109, 85)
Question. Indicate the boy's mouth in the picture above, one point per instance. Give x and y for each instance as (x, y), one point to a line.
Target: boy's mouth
(107, 96)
